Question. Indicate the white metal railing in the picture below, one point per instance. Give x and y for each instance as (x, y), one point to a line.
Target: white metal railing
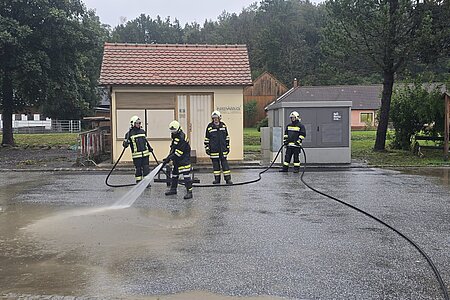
(66, 125)
(45, 126)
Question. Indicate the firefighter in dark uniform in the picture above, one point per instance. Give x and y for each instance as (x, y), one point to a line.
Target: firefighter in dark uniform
(140, 148)
(293, 136)
(180, 155)
(217, 146)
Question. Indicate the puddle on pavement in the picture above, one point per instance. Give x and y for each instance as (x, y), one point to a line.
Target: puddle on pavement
(49, 251)
(441, 174)
(60, 252)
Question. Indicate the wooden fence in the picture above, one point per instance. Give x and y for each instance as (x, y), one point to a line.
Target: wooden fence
(92, 146)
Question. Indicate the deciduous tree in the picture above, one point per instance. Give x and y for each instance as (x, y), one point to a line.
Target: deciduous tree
(50, 53)
(386, 35)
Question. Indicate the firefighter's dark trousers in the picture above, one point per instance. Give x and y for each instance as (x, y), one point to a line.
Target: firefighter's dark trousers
(221, 163)
(142, 167)
(184, 171)
(292, 151)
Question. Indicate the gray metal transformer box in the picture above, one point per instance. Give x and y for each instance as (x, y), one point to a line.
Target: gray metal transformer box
(328, 129)
(271, 141)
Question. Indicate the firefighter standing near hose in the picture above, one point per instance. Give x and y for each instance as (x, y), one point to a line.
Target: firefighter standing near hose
(293, 136)
(180, 155)
(217, 146)
(140, 148)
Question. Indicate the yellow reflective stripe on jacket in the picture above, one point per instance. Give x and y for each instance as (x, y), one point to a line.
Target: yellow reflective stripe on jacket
(178, 152)
(134, 137)
(183, 169)
(137, 135)
(302, 137)
(214, 155)
(141, 154)
(293, 128)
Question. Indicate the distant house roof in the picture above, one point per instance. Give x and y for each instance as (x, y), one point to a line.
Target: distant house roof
(362, 96)
(174, 65)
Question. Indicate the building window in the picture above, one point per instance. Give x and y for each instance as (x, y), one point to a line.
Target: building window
(366, 118)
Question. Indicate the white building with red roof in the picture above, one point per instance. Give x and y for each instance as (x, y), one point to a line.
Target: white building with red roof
(160, 83)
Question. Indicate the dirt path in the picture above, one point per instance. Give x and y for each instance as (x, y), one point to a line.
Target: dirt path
(19, 158)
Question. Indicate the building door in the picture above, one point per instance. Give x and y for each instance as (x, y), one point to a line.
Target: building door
(194, 114)
(332, 124)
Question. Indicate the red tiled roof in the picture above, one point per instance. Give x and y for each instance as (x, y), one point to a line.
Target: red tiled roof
(175, 64)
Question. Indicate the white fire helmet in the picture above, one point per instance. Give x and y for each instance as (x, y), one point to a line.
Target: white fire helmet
(295, 115)
(134, 120)
(174, 126)
(217, 114)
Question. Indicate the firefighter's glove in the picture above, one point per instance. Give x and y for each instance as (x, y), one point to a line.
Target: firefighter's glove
(299, 142)
(166, 160)
(150, 149)
(208, 152)
(285, 142)
(125, 144)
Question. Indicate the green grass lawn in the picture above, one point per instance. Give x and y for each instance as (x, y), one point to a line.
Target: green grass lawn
(45, 139)
(252, 140)
(362, 150)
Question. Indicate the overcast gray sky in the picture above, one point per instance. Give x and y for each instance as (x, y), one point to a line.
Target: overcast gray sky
(186, 11)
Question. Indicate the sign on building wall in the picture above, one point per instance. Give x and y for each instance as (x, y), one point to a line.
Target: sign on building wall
(229, 109)
(337, 116)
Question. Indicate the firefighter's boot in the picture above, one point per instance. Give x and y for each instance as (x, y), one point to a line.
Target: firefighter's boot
(228, 179)
(188, 184)
(216, 179)
(173, 187)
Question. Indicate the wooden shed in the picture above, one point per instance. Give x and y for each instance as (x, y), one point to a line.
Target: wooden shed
(265, 89)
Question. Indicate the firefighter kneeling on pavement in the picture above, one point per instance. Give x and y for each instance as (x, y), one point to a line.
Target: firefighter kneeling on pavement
(140, 148)
(180, 155)
(217, 146)
(293, 136)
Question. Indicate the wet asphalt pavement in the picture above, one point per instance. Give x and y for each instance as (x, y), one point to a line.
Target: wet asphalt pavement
(270, 240)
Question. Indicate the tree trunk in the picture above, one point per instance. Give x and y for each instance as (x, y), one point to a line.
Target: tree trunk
(7, 93)
(388, 83)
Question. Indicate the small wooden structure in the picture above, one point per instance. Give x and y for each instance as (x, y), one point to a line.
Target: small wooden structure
(92, 146)
(265, 89)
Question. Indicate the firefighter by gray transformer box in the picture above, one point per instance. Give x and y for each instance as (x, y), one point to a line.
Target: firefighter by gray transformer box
(327, 121)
